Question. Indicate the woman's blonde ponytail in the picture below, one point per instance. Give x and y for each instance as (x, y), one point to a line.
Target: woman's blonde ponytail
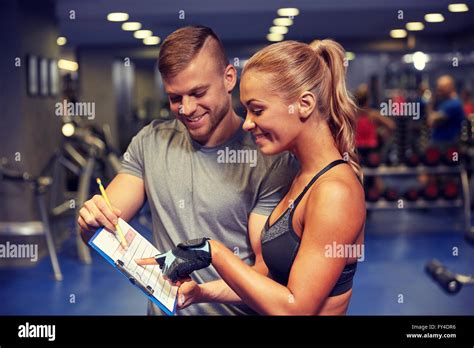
(342, 108)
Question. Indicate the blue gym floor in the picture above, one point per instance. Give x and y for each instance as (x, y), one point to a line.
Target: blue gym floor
(398, 245)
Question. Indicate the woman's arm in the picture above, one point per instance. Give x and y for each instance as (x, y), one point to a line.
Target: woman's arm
(219, 291)
(382, 120)
(334, 214)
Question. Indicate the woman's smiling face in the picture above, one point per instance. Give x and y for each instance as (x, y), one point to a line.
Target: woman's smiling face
(273, 122)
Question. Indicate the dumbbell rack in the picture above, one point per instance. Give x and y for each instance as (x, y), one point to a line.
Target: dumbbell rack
(464, 202)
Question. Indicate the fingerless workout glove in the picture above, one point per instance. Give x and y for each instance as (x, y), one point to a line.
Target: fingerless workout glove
(187, 257)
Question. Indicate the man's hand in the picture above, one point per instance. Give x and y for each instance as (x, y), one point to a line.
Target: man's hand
(178, 263)
(94, 214)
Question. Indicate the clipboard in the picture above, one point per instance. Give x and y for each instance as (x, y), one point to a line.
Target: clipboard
(149, 279)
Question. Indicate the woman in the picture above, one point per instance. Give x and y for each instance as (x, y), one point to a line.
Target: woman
(372, 132)
(296, 101)
(369, 123)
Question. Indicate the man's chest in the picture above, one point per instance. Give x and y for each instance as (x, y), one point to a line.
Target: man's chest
(200, 184)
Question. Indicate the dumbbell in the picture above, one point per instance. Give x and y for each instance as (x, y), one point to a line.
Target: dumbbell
(412, 159)
(432, 156)
(373, 194)
(412, 194)
(446, 279)
(373, 160)
(451, 190)
(392, 159)
(391, 194)
(430, 192)
(452, 156)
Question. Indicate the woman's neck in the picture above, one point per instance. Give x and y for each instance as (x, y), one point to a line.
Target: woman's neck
(315, 148)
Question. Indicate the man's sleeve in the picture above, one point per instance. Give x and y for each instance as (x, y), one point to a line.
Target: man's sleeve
(132, 161)
(276, 184)
(448, 109)
(453, 111)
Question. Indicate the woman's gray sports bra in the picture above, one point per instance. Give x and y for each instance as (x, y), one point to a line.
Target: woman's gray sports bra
(280, 243)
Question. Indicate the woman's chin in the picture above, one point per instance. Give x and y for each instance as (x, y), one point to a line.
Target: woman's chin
(269, 150)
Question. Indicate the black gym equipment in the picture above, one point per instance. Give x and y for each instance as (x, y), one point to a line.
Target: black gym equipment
(373, 160)
(373, 194)
(412, 158)
(430, 192)
(450, 190)
(40, 185)
(412, 194)
(391, 194)
(86, 153)
(432, 156)
(450, 282)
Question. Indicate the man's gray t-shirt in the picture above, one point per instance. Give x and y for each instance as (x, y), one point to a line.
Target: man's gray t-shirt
(195, 191)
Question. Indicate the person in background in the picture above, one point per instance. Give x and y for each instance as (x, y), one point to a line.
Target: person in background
(371, 128)
(419, 135)
(446, 118)
(468, 104)
(372, 131)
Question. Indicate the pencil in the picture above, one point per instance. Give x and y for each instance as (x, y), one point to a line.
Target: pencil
(123, 241)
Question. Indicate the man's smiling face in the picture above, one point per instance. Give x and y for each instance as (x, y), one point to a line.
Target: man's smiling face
(198, 96)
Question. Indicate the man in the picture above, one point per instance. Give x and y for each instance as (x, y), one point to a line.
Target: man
(201, 173)
(447, 120)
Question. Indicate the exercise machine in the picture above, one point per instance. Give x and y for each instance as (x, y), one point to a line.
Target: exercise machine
(40, 185)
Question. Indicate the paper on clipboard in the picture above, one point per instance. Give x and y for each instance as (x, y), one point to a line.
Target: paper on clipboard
(148, 278)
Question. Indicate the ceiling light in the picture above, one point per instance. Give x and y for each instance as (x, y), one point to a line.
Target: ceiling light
(408, 58)
(131, 26)
(415, 26)
(398, 33)
(288, 12)
(68, 65)
(419, 60)
(279, 30)
(117, 17)
(458, 8)
(434, 17)
(61, 41)
(141, 34)
(274, 37)
(151, 40)
(286, 22)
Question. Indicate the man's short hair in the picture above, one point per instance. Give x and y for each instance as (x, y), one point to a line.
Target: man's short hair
(181, 46)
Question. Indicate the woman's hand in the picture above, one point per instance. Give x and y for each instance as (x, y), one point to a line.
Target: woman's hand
(178, 263)
(189, 292)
